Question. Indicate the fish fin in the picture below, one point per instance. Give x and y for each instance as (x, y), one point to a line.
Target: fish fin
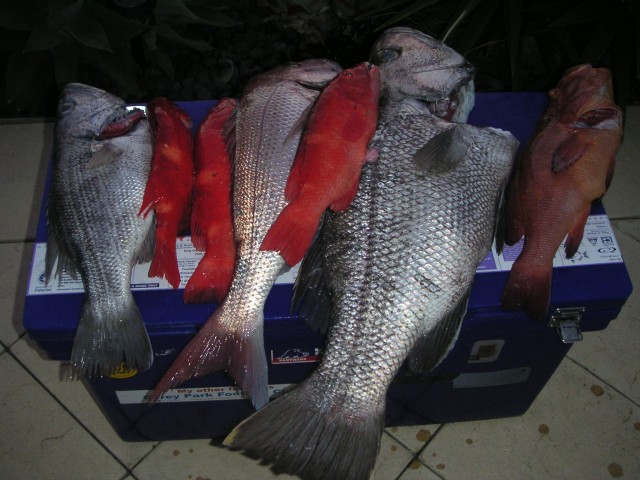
(600, 118)
(444, 152)
(434, 346)
(293, 231)
(324, 442)
(198, 236)
(107, 154)
(569, 152)
(165, 261)
(57, 253)
(528, 288)
(499, 232)
(576, 233)
(311, 297)
(513, 225)
(298, 127)
(294, 181)
(106, 337)
(342, 203)
(216, 347)
(211, 279)
(145, 252)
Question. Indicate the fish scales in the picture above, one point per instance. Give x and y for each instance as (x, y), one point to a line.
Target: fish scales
(94, 228)
(268, 132)
(398, 262)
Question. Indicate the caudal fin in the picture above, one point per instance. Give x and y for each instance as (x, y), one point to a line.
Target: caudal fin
(165, 261)
(528, 288)
(108, 336)
(315, 439)
(216, 347)
(293, 231)
(210, 281)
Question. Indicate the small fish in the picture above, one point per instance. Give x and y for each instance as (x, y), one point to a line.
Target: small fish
(168, 190)
(269, 124)
(390, 275)
(566, 166)
(103, 157)
(326, 169)
(211, 219)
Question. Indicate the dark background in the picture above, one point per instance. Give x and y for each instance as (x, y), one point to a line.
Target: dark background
(205, 49)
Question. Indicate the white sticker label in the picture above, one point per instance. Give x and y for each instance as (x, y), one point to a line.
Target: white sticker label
(201, 394)
(188, 259)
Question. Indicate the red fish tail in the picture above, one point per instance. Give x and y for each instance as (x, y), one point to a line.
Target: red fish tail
(165, 261)
(528, 288)
(218, 346)
(210, 281)
(293, 231)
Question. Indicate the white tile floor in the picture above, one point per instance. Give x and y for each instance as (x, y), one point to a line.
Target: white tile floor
(585, 424)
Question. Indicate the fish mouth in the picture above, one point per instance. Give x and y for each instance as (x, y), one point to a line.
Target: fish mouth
(447, 107)
(120, 122)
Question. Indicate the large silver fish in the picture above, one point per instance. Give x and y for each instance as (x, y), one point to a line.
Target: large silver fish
(103, 156)
(393, 272)
(268, 128)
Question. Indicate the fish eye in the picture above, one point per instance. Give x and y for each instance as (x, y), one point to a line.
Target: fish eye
(67, 105)
(387, 55)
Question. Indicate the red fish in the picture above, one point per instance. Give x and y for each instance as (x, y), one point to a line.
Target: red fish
(170, 181)
(326, 170)
(567, 165)
(211, 221)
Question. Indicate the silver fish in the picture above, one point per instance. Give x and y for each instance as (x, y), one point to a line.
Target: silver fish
(268, 127)
(393, 274)
(103, 157)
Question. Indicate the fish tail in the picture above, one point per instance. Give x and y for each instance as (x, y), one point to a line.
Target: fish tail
(165, 261)
(217, 346)
(528, 288)
(210, 281)
(104, 341)
(293, 231)
(309, 435)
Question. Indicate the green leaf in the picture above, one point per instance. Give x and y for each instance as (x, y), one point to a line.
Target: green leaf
(476, 28)
(407, 12)
(88, 32)
(41, 38)
(513, 26)
(374, 8)
(215, 17)
(119, 67)
(119, 29)
(174, 10)
(586, 11)
(163, 60)
(465, 9)
(169, 34)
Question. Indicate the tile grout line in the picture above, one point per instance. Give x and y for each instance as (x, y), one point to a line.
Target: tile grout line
(416, 455)
(64, 407)
(624, 395)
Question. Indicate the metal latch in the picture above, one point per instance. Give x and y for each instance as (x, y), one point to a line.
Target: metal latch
(567, 322)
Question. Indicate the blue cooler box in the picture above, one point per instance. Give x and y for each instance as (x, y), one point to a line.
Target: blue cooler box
(499, 364)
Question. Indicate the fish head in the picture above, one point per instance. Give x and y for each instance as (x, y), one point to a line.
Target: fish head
(584, 97)
(84, 111)
(312, 74)
(415, 65)
(360, 83)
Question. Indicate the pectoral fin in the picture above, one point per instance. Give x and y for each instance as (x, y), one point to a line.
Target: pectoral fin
(444, 152)
(431, 348)
(569, 152)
